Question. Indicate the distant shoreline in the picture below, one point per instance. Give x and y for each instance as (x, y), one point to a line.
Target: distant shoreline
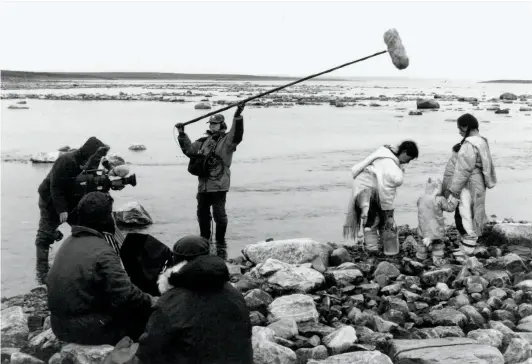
(507, 81)
(24, 76)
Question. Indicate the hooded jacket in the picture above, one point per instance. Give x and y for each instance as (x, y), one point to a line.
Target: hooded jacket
(224, 145)
(200, 318)
(472, 168)
(58, 187)
(88, 289)
(380, 172)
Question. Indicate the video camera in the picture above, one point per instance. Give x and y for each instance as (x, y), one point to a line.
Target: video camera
(90, 181)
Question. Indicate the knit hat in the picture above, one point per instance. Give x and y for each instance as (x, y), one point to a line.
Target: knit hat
(216, 119)
(95, 210)
(190, 247)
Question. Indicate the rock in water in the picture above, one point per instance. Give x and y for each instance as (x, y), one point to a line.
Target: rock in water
(202, 106)
(137, 147)
(508, 96)
(292, 251)
(42, 157)
(427, 104)
(133, 214)
(16, 107)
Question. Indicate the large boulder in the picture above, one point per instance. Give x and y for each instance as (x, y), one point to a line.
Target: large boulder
(266, 350)
(516, 237)
(292, 251)
(444, 351)
(427, 104)
(508, 96)
(14, 325)
(287, 277)
(297, 306)
(360, 357)
(134, 214)
(202, 106)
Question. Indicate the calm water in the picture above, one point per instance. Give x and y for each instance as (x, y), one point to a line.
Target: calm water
(290, 175)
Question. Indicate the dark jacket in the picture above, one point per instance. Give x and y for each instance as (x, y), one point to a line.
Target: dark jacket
(88, 291)
(200, 318)
(58, 186)
(225, 144)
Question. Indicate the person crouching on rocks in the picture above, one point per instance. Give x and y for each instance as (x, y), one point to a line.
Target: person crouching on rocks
(469, 172)
(90, 296)
(200, 317)
(214, 180)
(375, 182)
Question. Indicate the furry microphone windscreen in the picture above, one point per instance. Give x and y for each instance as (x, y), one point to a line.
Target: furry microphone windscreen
(396, 49)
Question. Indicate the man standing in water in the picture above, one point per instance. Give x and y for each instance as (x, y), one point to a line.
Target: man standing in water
(57, 198)
(210, 160)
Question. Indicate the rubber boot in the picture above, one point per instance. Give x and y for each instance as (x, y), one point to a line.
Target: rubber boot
(42, 265)
(205, 228)
(221, 245)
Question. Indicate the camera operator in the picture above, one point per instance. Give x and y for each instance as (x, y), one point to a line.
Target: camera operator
(57, 197)
(214, 154)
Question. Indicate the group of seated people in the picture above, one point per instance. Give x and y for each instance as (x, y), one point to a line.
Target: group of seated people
(198, 316)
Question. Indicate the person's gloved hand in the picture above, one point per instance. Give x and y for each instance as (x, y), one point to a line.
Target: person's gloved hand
(63, 216)
(427, 242)
(180, 127)
(239, 109)
(452, 202)
(154, 300)
(446, 193)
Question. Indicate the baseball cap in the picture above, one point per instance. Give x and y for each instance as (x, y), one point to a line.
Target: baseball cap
(216, 119)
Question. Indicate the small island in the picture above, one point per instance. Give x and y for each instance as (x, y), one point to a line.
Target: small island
(507, 81)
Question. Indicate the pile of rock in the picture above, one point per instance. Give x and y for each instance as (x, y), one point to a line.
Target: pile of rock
(313, 302)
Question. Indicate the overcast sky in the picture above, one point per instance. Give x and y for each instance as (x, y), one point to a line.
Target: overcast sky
(455, 40)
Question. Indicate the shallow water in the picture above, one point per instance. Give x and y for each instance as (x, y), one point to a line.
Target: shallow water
(290, 175)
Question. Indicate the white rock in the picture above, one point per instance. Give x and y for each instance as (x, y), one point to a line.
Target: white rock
(359, 357)
(297, 306)
(14, 325)
(265, 351)
(292, 251)
(84, 354)
(21, 358)
(289, 277)
(285, 328)
(341, 340)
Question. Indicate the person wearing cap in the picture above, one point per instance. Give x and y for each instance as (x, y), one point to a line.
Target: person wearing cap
(200, 317)
(57, 198)
(212, 190)
(90, 296)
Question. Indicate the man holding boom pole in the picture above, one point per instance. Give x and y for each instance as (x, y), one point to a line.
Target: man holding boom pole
(210, 160)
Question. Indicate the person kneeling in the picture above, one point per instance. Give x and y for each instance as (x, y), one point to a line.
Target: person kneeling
(90, 296)
(200, 317)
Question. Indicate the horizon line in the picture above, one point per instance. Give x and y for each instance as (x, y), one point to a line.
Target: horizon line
(93, 74)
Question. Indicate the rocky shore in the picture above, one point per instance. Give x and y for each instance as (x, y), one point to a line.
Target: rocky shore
(314, 302)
